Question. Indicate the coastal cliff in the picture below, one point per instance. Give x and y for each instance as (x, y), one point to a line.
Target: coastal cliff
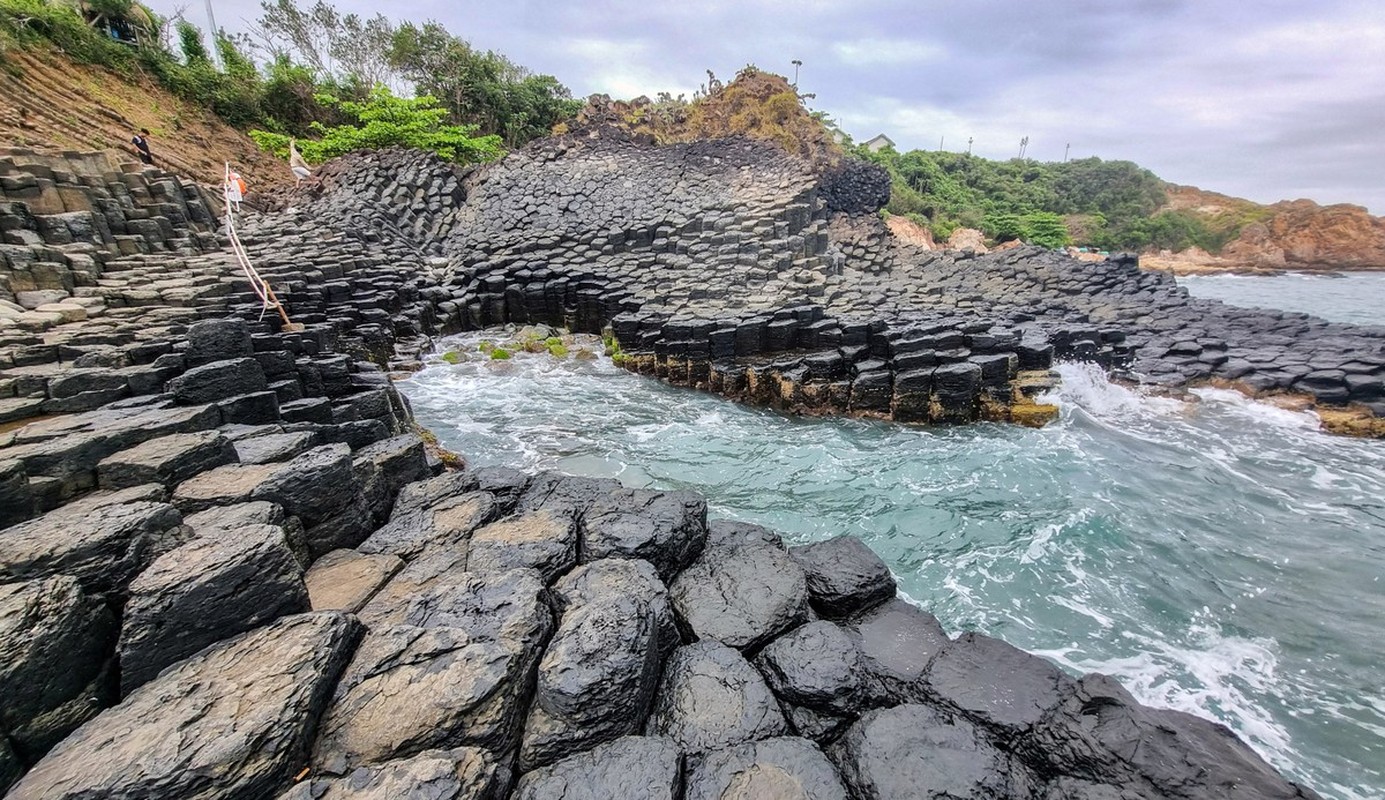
(232, 567)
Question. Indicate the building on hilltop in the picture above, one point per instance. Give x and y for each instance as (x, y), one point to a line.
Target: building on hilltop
(880, 142)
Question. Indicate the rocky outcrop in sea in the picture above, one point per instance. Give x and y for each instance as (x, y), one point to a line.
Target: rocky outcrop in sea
(232, 567)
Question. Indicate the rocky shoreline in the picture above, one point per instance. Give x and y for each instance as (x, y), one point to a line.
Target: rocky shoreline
(230, 568)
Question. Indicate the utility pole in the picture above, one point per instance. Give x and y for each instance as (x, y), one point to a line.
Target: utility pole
(1024, 144)
(969, 138)
(940, 144)
(796, 64)
(1066, 148)
(216, 33)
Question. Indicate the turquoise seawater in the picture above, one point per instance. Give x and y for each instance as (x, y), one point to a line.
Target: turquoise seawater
(1355, 297)
(1220, 556)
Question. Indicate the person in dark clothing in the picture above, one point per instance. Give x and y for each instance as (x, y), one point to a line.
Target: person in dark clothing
(141, 142)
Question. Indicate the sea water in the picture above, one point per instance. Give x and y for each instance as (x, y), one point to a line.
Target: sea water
(1355, 297)
(1218, 556)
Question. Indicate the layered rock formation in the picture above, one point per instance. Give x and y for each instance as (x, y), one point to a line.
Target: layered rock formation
(231, 568)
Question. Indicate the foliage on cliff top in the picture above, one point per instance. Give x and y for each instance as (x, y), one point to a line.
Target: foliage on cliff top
(755, 103)
(384, 120)
(1104, 204)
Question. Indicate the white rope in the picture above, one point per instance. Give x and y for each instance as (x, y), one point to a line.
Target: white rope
(257, 283)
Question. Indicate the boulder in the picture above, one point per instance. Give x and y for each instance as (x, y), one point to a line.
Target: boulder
(913, 752)
(102, 542)
(667, 529)
(540, 540)
(844, 576)
(233, 721)
(202, 592)
(710, 698)
(314, 486)
(563, 494)
(346, 580)
(788, 768)
(1098, 734)
(56, 645)
(598, 675)
(459, 662)
(815, 667)
(631, 768)
(464, 773)
(996, 685)
(742, 592)
(217, 380)
(168, 460)
(419, 521)
(897, 641)
(217, 340)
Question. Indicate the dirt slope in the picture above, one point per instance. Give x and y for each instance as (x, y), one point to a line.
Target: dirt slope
(54, 105)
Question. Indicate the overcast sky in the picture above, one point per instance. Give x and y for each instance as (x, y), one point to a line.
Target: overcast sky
(1264, 99)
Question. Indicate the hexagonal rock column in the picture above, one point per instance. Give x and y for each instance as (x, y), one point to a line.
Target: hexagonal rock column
(710, 698)
(788, 767)
(815, 670)
(844, 576)
(631, 768)
(232, 721)
(205, 591)
(465, 773)
(55, 646)
(743, 590)
(598, 675)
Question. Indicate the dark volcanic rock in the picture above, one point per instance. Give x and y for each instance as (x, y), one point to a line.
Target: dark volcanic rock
(710, 698)
(912, 752)
(844, 576)
(815, 668)
(897, 642)
(232, 721)
(996, 685)
(598, 675)
(667, 529)
(218, 380)
(168, 460)
(740, 591)
(631, 768)
(459, 663)
(541, 540)
(103, 541)
(420, 519)
(55, 646)
(774, 768)
(465, 773)
(345, 580)
(203, 592)
(1100, 734)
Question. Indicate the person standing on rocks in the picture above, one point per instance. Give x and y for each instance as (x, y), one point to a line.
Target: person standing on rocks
(141, 143)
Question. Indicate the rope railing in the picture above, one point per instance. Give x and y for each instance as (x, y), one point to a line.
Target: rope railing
(232, 194)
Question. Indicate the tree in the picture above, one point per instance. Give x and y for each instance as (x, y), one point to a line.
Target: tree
(1045, 229)
(384, 120)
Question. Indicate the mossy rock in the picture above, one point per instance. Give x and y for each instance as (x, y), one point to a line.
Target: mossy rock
(485, 346)
(452, 357)
(557, 350)
(499, 354)
(535, 346)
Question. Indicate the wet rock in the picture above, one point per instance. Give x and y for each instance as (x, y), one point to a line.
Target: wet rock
(232, 721)
(779, 768)
(464, 773)
(16, 499)
(313, 486)
(844, 576)
(667, 529)
(217, 380)
(168, 460)
(387, 466)
(1099, 733)
(740, 592)
(598, 675)
(897, 641)
(563, 494)
(435, 566)
(995, 684)
(631, 768)
(55, 646)
(459, 662)
(710, 698)
(202, 592)
(816, 668)
(346, 580)
(103, 544)
(541, 540)
(226, 485)
(217, 340)
(419, 521)
(274, 447)
(912, 752)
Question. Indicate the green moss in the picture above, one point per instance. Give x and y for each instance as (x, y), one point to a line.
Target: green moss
(452, 357)
(556, 348)
(485, 346)
(499, 354)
